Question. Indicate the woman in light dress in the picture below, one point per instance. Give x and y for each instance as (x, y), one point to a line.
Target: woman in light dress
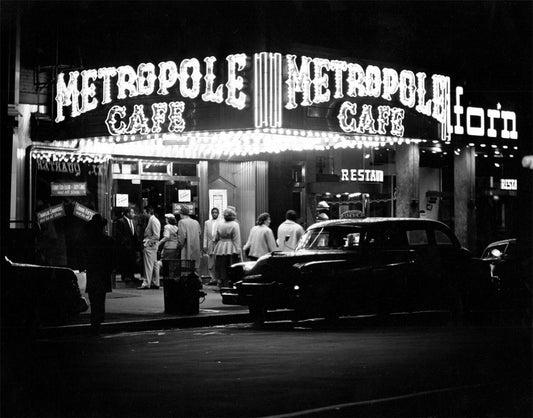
(261, 240)
(227, 246)
(170, 244)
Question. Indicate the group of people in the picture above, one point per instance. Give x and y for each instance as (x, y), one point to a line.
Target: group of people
(181, 239)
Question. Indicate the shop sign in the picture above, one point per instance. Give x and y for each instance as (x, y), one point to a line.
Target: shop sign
(68, 189)
(483, 122)
(176, 207)
(83, 212)
(280, 82)
(59, 166)
(51, 213)
(362, 175)
(508, 184)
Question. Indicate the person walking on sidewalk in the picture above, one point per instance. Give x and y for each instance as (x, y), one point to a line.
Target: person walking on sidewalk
(210, 230)
(261, 239)
(289, 232)
(151, 243)
(227, 246)
(99, 264)
(189, 238)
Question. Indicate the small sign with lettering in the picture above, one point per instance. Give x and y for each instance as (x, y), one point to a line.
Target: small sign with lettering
(68, 189)
(509, 184)
(121, 200)
(184, 195)
(362, 175)
(83, 212)
(51, 213)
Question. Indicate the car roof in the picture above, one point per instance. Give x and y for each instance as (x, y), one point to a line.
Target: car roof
(375, 221)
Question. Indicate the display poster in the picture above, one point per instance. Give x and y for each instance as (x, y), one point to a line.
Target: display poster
(83, 212)
(121, 200)
(51, 213)
(184, 195)
(218, 198)
(68, 189)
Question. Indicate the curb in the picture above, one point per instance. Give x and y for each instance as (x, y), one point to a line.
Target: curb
(145, 324)
(157, 324)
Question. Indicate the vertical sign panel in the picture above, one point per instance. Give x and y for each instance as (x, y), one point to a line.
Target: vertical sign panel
(267, 90)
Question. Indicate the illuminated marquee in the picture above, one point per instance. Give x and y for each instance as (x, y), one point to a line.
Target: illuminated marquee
(143, 82)
(311, 81)
(367, 82)
(475, 120)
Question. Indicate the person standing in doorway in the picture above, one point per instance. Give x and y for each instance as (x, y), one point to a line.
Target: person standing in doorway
(261, 239)
(99, 264)
(189, 238)
(210, 230)
(126, 239)
(227, 246)
(152, 234)
(289, 232)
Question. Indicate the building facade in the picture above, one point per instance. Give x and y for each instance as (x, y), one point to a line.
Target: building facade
(260, 131)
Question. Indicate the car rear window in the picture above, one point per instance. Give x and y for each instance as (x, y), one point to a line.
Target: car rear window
(417, 237)
(441, 238)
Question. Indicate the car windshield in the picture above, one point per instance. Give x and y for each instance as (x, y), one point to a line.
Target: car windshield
(334, 238)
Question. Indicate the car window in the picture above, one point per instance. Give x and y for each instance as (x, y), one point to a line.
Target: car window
(442, 238)
(333, 238)
(394, 238)
(417, 237)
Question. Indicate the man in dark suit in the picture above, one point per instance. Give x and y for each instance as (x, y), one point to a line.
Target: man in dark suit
(127, 243)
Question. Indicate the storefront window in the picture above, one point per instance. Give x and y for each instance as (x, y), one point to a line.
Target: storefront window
(67, 191)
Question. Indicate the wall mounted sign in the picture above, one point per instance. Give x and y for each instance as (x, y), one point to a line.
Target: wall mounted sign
(509, 184)
(481, 122)
(51, 213)
(184, 195)
(122, 200)
(83, 212)
(68, 189)
(362, 175)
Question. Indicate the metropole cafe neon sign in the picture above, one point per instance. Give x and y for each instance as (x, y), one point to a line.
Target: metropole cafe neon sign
(311, 81)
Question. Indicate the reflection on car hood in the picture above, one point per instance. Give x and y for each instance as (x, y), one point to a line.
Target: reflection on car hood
(282, 265)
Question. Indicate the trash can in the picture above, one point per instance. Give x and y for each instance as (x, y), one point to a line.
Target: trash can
(182, 288)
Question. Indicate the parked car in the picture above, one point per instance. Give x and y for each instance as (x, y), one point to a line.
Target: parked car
(356, 266)
(511, 271)
(34, 295)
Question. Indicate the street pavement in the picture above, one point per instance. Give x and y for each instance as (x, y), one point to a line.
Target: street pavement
(132, 309)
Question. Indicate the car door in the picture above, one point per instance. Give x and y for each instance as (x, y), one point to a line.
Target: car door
(452, 264)
(426, 269)
(392, 265)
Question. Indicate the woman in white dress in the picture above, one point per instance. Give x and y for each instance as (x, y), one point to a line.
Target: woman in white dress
(227, 246)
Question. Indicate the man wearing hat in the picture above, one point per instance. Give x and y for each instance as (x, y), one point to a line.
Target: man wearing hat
(189, 238)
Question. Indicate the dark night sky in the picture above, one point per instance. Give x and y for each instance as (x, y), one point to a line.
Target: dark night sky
(485, 43)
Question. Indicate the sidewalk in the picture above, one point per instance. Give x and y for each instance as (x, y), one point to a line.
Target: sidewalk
(131, 309)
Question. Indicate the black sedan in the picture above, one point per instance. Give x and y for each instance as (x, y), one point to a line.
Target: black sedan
(357, 266)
